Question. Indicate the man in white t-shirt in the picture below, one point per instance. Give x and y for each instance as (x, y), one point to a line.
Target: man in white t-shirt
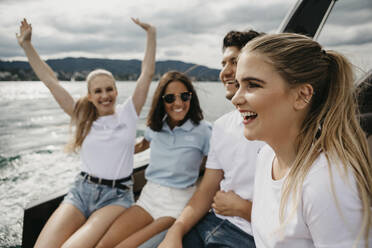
(218, 214)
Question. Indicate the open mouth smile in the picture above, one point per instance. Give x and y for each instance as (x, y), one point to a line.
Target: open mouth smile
(177, 110)
(248, 116)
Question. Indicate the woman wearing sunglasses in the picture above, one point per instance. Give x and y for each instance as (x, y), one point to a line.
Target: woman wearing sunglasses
(179, 141)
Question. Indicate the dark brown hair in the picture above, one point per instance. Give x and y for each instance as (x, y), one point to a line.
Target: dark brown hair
(157, 111)
(239, 39)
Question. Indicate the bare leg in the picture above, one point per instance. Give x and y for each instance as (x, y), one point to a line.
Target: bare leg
(94, 228)
(128, 223)
(60, 226)
(147, 232)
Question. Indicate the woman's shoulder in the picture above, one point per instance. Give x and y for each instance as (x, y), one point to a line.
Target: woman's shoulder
(202, 125)
(328, 176)
(324, 166)
(203, 129)
(205, 124)
(126, 109)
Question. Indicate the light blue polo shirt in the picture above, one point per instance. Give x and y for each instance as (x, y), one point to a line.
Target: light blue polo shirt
(176, 155)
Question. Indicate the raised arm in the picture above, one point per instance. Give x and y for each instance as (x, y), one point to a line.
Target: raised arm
(147, 68)
(42, 70)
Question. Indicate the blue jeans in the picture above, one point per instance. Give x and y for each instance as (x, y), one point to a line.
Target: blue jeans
(212, 231)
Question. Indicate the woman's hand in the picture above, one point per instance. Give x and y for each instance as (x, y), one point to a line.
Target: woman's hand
(25, 32)
(145, 26)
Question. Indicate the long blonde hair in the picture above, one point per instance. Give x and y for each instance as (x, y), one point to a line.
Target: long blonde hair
(85, 113)
(331, 125)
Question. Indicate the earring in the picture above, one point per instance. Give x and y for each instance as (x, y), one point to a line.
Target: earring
(305, 100)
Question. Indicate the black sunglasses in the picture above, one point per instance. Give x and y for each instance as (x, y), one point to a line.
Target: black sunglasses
(170, 98)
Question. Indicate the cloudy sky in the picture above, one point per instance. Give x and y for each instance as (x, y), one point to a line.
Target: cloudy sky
(188, 30)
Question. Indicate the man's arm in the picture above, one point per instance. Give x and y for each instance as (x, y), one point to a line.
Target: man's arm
(198, 206)
(231, 204)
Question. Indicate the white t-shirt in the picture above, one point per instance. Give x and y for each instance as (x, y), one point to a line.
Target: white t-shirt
(317, 221)
(108, 149)
(231, 152)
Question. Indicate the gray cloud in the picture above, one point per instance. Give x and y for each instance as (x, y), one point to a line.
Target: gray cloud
(187, 30)
(97, 24)
(352, 6)
(261, 18)
(172, 53)
(9, 47)
(196, 20)
(12, 2)
(339, 36)
(350, 23)
(350, 13)
(87, 46)
(202, 19)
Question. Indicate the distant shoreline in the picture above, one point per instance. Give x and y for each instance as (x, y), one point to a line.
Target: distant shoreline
(76, 69)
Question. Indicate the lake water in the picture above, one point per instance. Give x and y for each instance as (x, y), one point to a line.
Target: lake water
(33, 131)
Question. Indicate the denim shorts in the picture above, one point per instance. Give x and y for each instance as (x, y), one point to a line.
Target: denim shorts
(89, 197)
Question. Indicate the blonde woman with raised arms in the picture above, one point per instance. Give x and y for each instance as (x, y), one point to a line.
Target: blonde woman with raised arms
(105, 135)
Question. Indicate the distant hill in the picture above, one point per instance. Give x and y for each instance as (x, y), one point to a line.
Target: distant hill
(71, 69)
